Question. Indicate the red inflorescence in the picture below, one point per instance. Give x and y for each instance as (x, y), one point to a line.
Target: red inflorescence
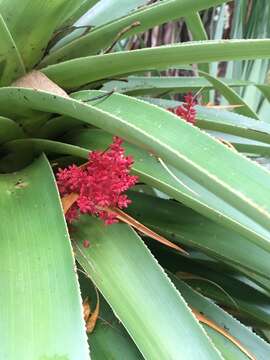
(187, 110)
(100, 183)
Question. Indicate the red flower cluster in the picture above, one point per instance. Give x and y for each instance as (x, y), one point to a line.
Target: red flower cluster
(99, 184)
(186, 111)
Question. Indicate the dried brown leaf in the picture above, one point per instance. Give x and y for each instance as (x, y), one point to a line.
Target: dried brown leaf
(92, 320)
(220, 107)
(201, 318)
(38, 81)
(86, 309)
(121, 215)
(68, 201)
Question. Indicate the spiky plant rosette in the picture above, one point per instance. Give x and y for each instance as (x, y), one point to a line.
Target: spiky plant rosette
(135, 216)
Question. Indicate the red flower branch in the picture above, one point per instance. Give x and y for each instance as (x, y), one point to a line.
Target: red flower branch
(99, 184)
(186, 111)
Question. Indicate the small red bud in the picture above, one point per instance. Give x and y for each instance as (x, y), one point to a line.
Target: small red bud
(187, 110)
(86, 243)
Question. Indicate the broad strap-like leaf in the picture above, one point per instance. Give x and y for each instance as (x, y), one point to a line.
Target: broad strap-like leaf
(102, 13)
(75, 73)
(159, 132)
(198, 33)
(231, 96)
(9, 130)
(106, 11)
(32, 23)
(40, 304)
(223, 121)
(265, 89)
(219, 282)
(185, 226)
(109, 338)
(148, 17)
(255, 345)
(11, 65)
(139, 292)
(158, 85)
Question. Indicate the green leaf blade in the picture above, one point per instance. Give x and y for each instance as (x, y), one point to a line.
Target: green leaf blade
(41, 310)
(32, 23)
(11, 65)
(150, 16)
(148, 305)
(247, 338)
(158, 132)
(77, 72)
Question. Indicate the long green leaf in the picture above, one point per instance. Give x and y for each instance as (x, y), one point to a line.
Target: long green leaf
(84, 6)
(77, 72)
(265, 89)
(9, 130)
(247, 338)
(159, 131)
(139, 292)
(249, 147)
(187, 227)
(198, 33)
(11, 65)
(223, 121)
(32, 23)
(142, 85)
(109, 339)
(104, 12)
(196, 27)
(41, 311)
(231, 96)
(237, 293)
(148, 17)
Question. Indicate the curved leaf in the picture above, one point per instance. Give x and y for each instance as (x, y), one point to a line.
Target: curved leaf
(223, 121)
(231, 96)
(106, 11)
(159, 131)
(239, 294)
(103, 12)
(11, 65)
(198, 32)
(147, 304)
(40, 300)
(9, 130)
(109, 339)
(250, 340)
(149, 16)
(142, 85)
(77, 72)
(32, 23)
(83, 7)
(185, 226)
(265, 89)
